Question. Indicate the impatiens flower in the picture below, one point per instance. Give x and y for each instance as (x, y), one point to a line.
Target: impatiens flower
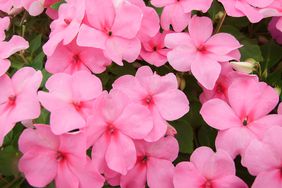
(263, 159)
(225, 79)
(245, 116)
(160, 94)
(65, 28)
(112, 28)
(176, 13)
(154, 164)
(275, 29)
(8, 6)
(249, 8)
(153, 50)
(207, 169)
(47, 157)
(72, 58)
(8, 48)
(114, 124)
(150, 24)
(36, 7)
(70, 99)
(201, 53)
(18, 98)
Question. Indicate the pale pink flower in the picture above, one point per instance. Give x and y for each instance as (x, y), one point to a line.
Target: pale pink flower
(112, 29)
(201, 53)
(70, 99)
(160, 94)
(47, 157)
(8, 48)
(249, 8)
(264, 159)
(245, 116)
(72, 58)
(153, 50)
(18, 98)
(275, 29)
(112, 127)
(66, 26)
(177, 13)
(207, 169)
(153, 165)
(225, 79)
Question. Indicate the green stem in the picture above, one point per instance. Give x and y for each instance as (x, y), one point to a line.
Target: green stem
(220, 23)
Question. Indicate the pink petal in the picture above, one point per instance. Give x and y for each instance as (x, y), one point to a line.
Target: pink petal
(218, 114)
(15, 44)
(91, 37)
(268, 179)
(201, 25)
(117, 49)
(4, 66)
(135, 121)
(229, 181)
(206, 71)
(4, 25)
(150, 24)
(202, 5)
(98, 153)
(121, 153)
(6, 88)
(96, 126)
(39, 167)
(162, 3)
(153, 58)
(173, 40)
(6, 127)
(234, 141)
(172, 104)
(186, 175)
(252, 13)
(160, 173)
(65, 177)
(279, 111)
(260, 4)
(123, 25)
(136, 177)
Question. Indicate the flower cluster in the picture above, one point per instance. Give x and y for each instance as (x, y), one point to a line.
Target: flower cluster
(123, 135)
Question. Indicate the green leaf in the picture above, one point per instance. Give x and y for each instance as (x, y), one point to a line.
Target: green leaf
(184, 135)
(206, 136)
(57, 5)
(38, 61)
(250, 50)
(272, 54)
(8, 161)
(35, 43)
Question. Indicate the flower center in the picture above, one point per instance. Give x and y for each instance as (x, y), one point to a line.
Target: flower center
(155, 48)
(76, 59)
(77, 105)
(202, 48)
(12, 100)
(111, 129)
(245, 121)
(208, 184)
(110, 33)
(67, 21)
(60, 156)
(148, 101)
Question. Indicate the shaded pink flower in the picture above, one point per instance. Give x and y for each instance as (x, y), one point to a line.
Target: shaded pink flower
(153, 165)
(245, 116)
(207, 169)
(275, 29)
(47, 157)
(225, 79)
(160, 94)
(18, 98)
(177, 13)
(113, 29)
(264, 159)
(153, 50)
(249, 8)
(112, 127)
(280, 108)
(70, 99)
(150, 24)
(202, 53)
(8, 48)
(66, 26)
(72, 58)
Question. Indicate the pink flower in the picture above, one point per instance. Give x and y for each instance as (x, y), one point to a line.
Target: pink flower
(225, 79)
(264, 159)
(112, 127)
(207, 169)
(177, 13)
(154, 164)
(72, 58)
(160, 94)
(153, 50)
(47, 157)
(112, 29)
(8, 48)
(8, 6)
(150, 24)
(249, 8)
(18, 98)
(280, 108)
(70, 99)
(201, 54)
(275, 29)
(66, 26)
(244, 117)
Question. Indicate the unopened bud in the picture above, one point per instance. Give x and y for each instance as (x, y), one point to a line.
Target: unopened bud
(247, 66)
(219, 15)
